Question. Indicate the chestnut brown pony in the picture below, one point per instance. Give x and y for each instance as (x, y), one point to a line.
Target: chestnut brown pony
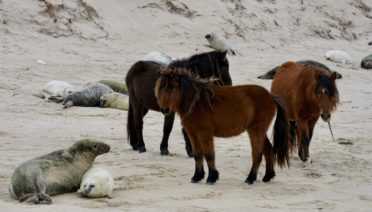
(207, 110)
(308, 92)
(140, 81)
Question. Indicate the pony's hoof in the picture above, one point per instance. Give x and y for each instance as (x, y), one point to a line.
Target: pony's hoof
(164, 151)
(251, 178)
(142, 149)
(197, 177)
(212, 177)
(268, 176)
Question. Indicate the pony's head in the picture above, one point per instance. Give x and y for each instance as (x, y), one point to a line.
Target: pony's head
(207, 65)
(326, 94)
(179, 90)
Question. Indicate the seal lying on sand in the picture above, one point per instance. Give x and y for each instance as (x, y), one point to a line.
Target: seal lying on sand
(367, 62)
(158, 57)
(88, 97)
(55, 90)
(115, 100)
(219, 43)
(119, 87)
(58, 172)
(270, 74)
(97, 182)
(338, 56)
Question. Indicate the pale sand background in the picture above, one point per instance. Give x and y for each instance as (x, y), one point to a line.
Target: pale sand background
(264, 33)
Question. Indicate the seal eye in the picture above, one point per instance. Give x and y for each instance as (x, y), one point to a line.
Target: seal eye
(95, 146)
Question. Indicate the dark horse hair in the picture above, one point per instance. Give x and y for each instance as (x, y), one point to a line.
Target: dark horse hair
(324, 81)
(141, 79)
(207, 110)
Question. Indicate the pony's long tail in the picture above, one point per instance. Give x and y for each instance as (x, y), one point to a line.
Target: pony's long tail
(130, 127)
(282, 144)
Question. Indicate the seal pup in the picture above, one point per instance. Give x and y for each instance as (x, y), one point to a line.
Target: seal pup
(367, 62)
(219, 43)
(58, 172)
(88, 97)
(115, 100)
(97, 182)
(270, 74)
(158, 57)
(55, 90)
(338, 56)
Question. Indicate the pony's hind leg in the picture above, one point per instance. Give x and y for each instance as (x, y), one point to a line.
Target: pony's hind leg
(269, 159)
(257, 139)
(198, 157)
(167, 128)
(138, 113)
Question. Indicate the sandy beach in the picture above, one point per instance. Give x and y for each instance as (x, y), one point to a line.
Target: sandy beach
(89, 40)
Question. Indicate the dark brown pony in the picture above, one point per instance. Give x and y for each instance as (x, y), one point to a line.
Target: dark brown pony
(207, 110)
(141, 80)
(308, 92)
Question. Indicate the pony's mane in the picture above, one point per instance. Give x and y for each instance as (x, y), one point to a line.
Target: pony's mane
(325, 81)
(204, 64)
(192, 87)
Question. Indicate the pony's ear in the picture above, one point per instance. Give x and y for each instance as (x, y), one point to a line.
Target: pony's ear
(333, 76)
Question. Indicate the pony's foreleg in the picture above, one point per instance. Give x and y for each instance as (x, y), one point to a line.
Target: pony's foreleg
(257, 144)
(304, 140)
(209, 155)
(269, 158)
(187, 143)
(198, 156)
(168, 125)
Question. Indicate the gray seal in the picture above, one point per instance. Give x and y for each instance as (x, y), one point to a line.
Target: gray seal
(58, 172)
(367, 62)
(88, 97)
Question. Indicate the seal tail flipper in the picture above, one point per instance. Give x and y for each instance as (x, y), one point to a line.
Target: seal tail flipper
(37, 198)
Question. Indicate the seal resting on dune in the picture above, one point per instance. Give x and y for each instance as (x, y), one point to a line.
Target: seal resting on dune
(115, 100)
(97, 182)
(158, 57)
(219, 43)
(270, 74)
(367, 62)
(116, 86)
(88, 97)
(58, 172)
(338, 56)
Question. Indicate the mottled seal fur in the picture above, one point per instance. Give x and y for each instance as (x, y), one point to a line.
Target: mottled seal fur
(58, 172)
(97, 182)
(367, 62)
(338, 56)
(88, 97)
(116, 86)
(219, 43)
(270, 74)
(158, 57)
(55, 90)
(115, 100)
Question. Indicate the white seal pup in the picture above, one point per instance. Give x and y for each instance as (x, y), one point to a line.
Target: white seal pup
(338, 56)
(55, 90)
(158, 57)
(219, 43)
(115, 100)
(97, 182)
(58, 172)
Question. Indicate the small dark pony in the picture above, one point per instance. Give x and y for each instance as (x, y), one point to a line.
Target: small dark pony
(207, 110)
(308, 92)
(140, 81)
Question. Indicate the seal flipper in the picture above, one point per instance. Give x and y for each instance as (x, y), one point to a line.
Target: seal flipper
(37, 198)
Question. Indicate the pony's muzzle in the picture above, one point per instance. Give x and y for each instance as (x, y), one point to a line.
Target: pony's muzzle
(165, 111)
(326, 117)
